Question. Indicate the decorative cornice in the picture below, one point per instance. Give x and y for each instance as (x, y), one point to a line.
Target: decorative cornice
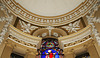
(75, 37)
(23, 38)
(76, 42)
(75, 14)
(22, 43)
(91, 19)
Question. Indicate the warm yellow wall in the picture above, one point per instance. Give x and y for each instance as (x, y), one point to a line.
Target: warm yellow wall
(1, 48)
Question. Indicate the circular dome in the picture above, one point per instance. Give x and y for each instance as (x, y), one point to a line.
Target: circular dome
(49, 12)
(49, 7)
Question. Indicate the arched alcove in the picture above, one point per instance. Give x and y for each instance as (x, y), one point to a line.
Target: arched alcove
(50, 48)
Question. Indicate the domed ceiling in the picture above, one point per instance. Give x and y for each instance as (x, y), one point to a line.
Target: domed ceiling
(49, 7)
(49, 12)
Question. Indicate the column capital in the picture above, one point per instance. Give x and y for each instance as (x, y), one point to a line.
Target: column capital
(11, 45)
(86, 46)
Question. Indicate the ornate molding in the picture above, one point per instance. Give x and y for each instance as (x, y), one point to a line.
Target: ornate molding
(94, 8)
(94, 30)
(49, 29)
(22, 42)
(7, 18)
(77, 42)
(75, 14)
(91, 19)
(55, 34)
(44, 34)
(27, 28)
(23, 38)
(75, 37)
(72, 26)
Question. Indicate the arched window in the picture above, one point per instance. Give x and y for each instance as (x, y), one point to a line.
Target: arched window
(49, 49)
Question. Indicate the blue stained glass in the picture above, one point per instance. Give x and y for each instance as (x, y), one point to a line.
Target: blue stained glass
(53, 51)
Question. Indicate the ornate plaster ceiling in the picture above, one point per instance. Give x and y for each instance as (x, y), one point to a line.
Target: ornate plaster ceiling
(49, 7)
(49, 12)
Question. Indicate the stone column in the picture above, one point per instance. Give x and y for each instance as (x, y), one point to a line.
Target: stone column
(69, 54)
(7, 50)
(30, 54)
(92, 51)
(97, 48)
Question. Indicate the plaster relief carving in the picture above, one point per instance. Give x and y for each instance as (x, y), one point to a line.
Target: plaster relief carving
(55, 34)
(27, 27)
(80, 11)
(95, 32)
(44, 34)
(50, 29)
(72, 26)
(91, 19)
(7, 18)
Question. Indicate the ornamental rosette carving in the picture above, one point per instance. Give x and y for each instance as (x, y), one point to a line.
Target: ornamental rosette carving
(55, 34)
(27, 27)
(72, 27)
(44, 34)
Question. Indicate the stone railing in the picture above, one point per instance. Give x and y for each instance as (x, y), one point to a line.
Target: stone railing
(76, 38)
(73, 15)
(23, 38)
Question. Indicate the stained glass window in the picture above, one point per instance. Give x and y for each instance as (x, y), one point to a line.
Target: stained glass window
(49, 49)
